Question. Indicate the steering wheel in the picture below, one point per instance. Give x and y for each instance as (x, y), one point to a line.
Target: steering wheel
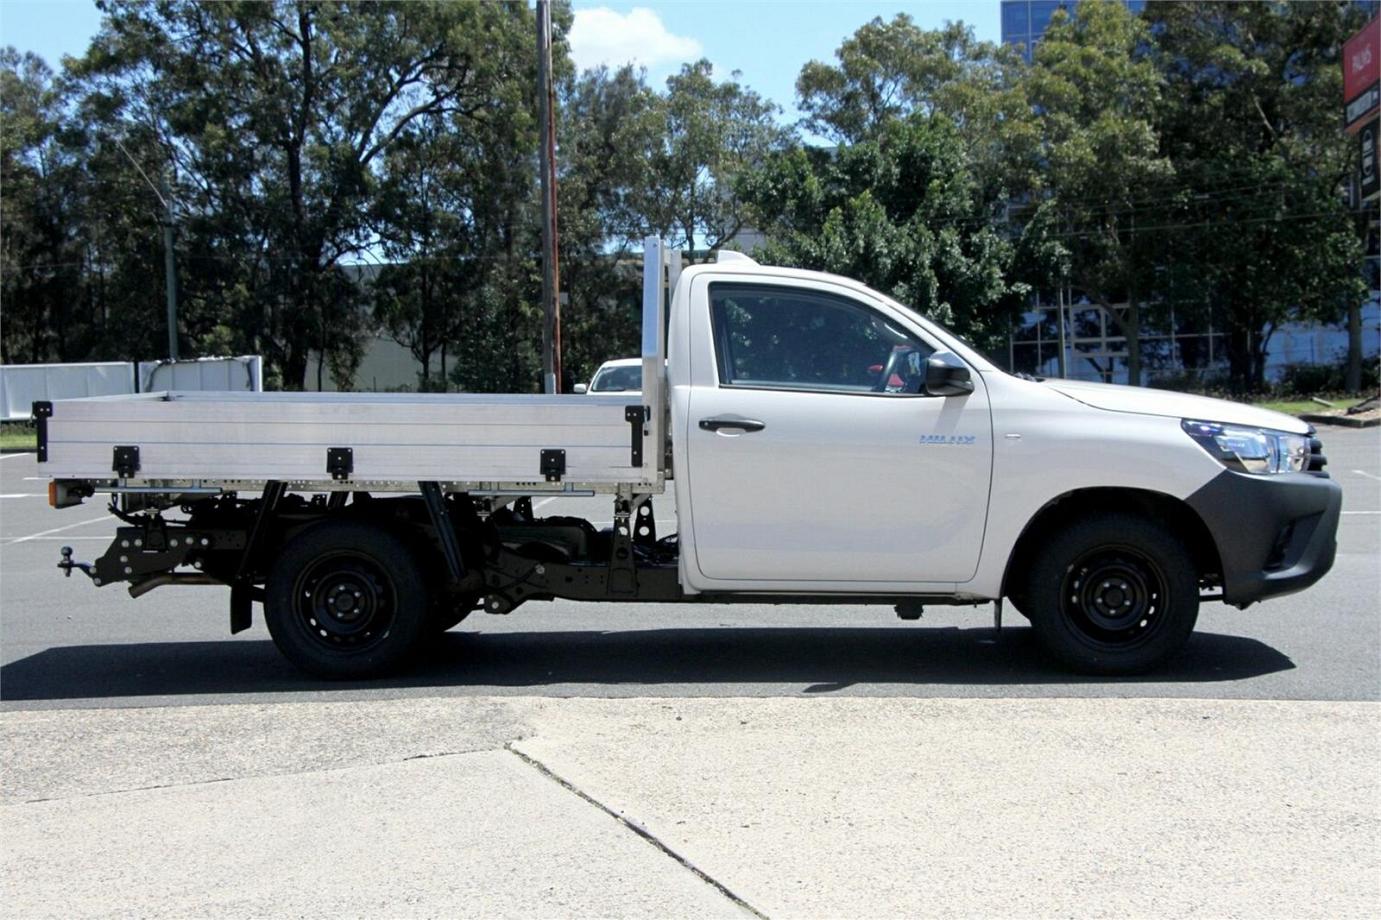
(894, 364)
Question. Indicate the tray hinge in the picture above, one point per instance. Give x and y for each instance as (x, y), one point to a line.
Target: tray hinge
(637, 417)
(125, 460)
(42, 410)
(553, 464)
(340, 462)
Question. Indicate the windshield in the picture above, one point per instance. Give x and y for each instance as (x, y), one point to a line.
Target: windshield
(617, 379)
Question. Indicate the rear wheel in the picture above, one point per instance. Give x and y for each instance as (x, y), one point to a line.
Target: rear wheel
(447, 612)
(1113, 594)
(346, 600)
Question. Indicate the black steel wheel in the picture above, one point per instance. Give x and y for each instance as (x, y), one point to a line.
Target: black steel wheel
(1113, 594)
(346, 599)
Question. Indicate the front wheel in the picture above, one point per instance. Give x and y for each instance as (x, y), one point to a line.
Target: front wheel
(346, 600)
(1113, 594)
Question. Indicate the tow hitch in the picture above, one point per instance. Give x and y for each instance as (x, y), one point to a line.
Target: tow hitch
(148, 556)
(67, 565)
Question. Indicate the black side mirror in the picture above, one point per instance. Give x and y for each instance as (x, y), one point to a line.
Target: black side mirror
(946, 375)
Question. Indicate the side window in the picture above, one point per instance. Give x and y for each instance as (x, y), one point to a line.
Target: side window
(795, 339)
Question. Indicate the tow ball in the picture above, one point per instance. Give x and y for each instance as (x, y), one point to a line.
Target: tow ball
(67, 565)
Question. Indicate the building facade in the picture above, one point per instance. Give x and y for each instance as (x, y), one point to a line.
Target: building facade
(1025, 21)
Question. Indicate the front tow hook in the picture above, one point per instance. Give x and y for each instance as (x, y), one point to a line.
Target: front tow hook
(67, 565)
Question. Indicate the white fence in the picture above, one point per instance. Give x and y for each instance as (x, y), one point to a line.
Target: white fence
(21, 385)
(242, 374)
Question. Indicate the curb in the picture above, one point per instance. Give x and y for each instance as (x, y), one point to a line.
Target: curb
(1344, 421)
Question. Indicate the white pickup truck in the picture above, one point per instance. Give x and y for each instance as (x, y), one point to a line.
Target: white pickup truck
(825, 444)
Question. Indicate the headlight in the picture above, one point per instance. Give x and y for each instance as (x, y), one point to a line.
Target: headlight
(1251, 450)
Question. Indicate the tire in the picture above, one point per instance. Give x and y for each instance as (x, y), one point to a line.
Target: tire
(448, 612)
(346, 600)
(1113, 594)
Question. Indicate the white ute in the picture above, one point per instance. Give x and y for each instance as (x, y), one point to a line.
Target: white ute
(825, 444)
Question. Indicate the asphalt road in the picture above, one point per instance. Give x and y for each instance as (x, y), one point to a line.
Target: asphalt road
(65, 643)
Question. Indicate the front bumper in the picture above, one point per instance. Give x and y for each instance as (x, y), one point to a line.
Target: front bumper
(1275, 534)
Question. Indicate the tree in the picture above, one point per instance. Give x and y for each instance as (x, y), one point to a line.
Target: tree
(1259, 227)
(635, 162)
(610, 131)
(278, 116)
(903, 212)
(892, 70)
(711, 133)
(38, 254)
(1098, 92)
(80, 228)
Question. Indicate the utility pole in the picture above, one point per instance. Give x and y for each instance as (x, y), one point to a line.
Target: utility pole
(169, 270)
(165, 198)
(551, 275)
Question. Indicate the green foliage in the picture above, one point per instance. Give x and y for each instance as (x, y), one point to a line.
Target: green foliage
(710, 133)
(902, 212)
(1099, 96)
(344, 169)
(1257, 226)
(279, 117)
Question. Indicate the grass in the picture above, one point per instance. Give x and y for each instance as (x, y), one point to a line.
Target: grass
(18, 436)
(1301, 406)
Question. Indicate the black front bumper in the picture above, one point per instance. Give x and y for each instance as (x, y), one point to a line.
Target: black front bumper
(1275, 534)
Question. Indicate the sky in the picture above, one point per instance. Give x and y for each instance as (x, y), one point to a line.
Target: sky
(767, 41)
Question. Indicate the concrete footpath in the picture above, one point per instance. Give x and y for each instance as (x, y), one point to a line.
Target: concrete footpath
(487, 807)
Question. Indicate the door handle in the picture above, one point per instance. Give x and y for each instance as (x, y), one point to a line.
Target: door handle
(745, 424)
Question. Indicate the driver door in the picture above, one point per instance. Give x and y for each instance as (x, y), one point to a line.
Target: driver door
(840, 472)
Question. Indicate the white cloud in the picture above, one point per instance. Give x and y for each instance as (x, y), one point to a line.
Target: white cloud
(600, 35)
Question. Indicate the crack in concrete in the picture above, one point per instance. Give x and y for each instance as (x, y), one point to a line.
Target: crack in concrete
(638, 829)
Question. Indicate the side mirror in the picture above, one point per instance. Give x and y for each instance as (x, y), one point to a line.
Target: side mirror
(580, 389)
(946, 375)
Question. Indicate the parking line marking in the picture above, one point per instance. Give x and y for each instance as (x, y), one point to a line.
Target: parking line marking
(22, 453)
(68, 539)
(1362, 512)
(44, 533)
(1368, 475)
(22, 495)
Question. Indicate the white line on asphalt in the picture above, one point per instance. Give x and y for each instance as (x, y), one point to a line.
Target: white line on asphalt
(44, 533)
(1368, 475)
(36, 478)
(68, 539)
(22, 495)
(21, 453)
(1362, 512)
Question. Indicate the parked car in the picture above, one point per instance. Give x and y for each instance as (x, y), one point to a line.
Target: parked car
(621, 375)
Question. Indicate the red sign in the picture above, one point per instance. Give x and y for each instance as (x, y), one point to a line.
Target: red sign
(1362, 75)
(1362, 60)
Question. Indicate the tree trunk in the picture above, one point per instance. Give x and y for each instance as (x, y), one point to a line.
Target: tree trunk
(295, 366)
(1239, 359)
(1259, 353)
